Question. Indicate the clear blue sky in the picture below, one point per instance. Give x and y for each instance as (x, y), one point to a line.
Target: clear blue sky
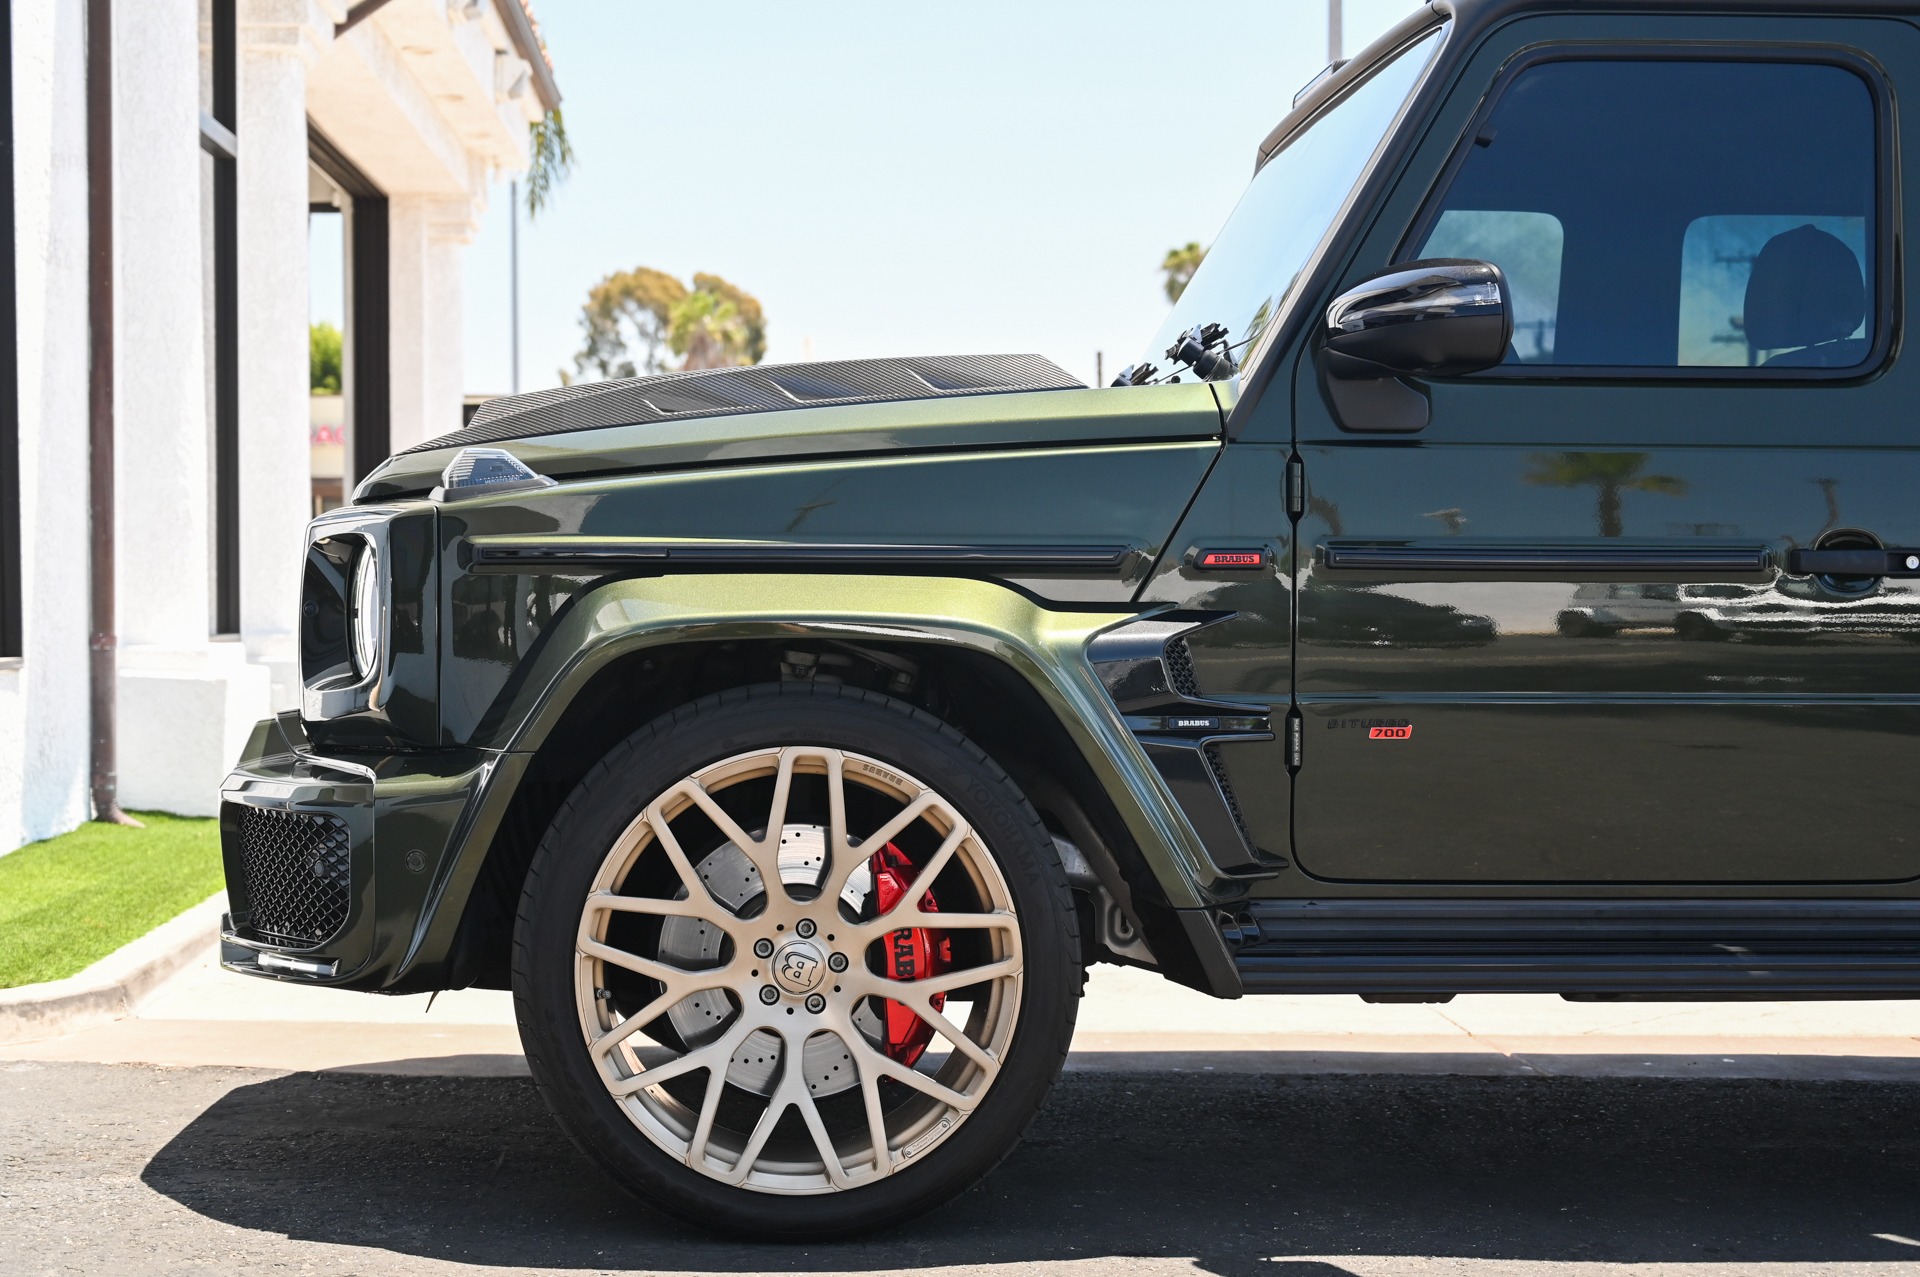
(898, 179)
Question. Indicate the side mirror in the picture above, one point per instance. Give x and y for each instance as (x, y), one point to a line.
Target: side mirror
(1437, 318)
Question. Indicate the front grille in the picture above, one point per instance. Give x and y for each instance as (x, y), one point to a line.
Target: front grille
(296, 873)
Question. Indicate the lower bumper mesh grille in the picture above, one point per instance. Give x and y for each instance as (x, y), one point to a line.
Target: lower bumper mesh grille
(296, 866)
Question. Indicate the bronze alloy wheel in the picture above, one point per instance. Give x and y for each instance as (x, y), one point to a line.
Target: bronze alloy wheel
(798, 972)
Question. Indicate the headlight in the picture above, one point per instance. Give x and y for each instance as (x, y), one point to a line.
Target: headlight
(366, 613)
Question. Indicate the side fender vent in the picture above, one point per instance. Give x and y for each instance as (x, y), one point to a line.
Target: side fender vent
(1180, 669)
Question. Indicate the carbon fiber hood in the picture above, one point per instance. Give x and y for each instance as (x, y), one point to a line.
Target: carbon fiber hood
(727, 391)
(918, 405)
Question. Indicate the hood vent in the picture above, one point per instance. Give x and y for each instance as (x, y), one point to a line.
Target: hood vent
(769, 388)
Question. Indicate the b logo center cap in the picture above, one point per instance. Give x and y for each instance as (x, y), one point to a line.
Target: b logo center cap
(799, 966)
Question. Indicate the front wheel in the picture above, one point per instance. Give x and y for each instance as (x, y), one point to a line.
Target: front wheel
(796, 961)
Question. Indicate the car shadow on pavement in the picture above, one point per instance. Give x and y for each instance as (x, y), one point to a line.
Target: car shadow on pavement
(1244, 1174)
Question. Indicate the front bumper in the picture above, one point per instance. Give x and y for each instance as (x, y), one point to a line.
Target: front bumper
(335, 865)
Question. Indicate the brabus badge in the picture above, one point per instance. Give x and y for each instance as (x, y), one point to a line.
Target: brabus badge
(1229, 560)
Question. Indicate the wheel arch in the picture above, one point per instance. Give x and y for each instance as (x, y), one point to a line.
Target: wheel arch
(982, 657)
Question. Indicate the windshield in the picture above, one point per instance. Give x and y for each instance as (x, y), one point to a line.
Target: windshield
(1254, 262)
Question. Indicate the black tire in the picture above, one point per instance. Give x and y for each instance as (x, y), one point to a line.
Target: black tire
(1691, 627)
(723, 726)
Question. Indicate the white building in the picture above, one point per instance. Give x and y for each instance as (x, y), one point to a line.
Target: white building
(231, 122)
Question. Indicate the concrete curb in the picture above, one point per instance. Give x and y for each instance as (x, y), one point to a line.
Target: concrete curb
(111, 988)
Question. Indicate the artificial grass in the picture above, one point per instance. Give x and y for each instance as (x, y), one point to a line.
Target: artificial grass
(69, 901)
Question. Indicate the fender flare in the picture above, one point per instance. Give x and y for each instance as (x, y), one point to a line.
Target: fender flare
(1042, 646)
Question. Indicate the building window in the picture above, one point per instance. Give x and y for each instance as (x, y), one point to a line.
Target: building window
(10, 556)
(221, 190)
(347, 229)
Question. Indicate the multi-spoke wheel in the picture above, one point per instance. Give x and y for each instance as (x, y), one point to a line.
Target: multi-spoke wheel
(796, 960)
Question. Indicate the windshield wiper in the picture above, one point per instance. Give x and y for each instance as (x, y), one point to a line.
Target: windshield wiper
(1204, 349)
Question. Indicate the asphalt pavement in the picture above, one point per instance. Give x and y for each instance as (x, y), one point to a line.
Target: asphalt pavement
(236, 1126)
(138, 1170)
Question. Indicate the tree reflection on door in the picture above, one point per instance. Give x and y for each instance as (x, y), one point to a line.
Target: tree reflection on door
(1609, 474)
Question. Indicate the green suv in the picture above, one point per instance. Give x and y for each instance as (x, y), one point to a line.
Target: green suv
(791, 739)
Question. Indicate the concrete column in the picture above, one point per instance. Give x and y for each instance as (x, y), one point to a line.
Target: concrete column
(43, 698)
(185, 702)
(279, 39)
(425, 237)
(407, 328)
(161, 452)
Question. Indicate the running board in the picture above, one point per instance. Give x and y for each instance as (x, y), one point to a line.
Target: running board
(1663, 948)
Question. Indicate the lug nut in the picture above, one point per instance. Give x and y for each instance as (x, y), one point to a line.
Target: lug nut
(769, 994)
(763, 948)
(837, 961)
(805, 928)
(816, 1003)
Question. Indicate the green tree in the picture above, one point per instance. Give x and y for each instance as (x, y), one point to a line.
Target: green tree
(323, 359)
(707, 332)
(634, 319)
(1178, 266)
(1609, 474)
(628, 311)
(753, 320)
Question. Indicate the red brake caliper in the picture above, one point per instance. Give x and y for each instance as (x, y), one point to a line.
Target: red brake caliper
(911, 953)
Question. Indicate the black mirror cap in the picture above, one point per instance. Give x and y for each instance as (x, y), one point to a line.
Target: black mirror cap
(1442, 317)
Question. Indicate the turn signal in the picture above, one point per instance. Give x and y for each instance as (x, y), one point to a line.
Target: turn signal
(485, 472)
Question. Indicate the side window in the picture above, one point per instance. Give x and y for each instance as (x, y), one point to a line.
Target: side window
(1528, 247)
(1721, 320)
(1673, 213)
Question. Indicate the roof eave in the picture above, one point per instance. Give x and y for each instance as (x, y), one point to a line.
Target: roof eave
(527, 45)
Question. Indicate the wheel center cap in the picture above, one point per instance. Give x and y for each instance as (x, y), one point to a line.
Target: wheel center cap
(799, 966)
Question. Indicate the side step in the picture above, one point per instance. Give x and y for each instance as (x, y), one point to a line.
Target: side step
(1663, 948)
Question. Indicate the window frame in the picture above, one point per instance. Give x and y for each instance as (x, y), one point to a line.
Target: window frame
(225, 75)
(1886, 206)
(367, 355)
(12, 551)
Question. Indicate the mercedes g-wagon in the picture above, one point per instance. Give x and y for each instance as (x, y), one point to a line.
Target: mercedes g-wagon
(790, 739)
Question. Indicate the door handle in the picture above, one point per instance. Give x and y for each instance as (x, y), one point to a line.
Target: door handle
(1861, 562)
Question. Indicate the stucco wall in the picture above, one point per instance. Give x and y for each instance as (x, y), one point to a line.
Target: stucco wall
(429, 101)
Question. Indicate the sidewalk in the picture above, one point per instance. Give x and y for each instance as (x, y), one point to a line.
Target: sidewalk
(1130, 1020)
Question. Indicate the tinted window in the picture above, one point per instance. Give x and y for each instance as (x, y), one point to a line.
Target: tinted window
(1675, 214)
(1528, 247)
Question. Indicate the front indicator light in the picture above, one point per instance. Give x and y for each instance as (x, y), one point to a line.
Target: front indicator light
(484, 472)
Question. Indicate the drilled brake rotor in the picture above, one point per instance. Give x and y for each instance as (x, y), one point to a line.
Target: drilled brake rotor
(691, 943)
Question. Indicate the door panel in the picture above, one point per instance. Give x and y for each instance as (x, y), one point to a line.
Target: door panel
(1656, 792)
(1689, 729)
(1648, 698)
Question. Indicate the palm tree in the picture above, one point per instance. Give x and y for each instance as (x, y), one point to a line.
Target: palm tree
(753, 319)
(1609, 474)
(1328, 512)
(1179, 265)
(550, 159)
(708, 332)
